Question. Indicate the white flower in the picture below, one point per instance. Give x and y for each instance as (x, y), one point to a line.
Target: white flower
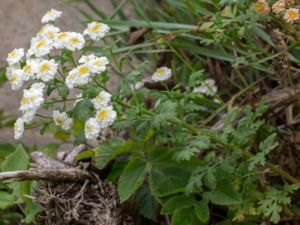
(32, 98)
(106, 116)
(78, 76)
(48, 31)
(74, 41)
(62, 120)
(61, 40)
(161, 74)
(39, 47)
(15, 77)
(15, 56)
(96, 30)
(28, 116)
(47, 70)
(71, 79)
(30, 69)
(208, 87)
(92, 129)
(19, 128)
(51, 16)
(86, 58)
(98, 64)
(101, 100)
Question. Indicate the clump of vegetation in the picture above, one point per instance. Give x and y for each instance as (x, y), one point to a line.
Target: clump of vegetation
(199, 124)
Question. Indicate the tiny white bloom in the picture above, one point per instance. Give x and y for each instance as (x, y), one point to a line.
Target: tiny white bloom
(28, 116)
(62, 120)
(32, 98)
(92, 129)
(74, 41)
(15, 56)
(47, 70)
(15, 77)
(30, 69)
(106, 116)
(161, 74)
(71, 79)
(51, 16)
(78, 76)
(96, 30)
(98, 64)
(86, 58)
(19, 128)
(39, 47)
(208, 87)
(101, 100)
(61, 40)
(48, 31)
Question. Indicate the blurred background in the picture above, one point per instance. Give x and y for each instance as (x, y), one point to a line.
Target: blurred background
(20, 21)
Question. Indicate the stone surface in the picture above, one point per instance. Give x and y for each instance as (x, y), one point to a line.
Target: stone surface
(20, 20)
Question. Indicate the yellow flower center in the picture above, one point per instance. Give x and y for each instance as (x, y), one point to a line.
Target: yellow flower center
(40, 43)
(259, 7)
(83, 70)
(59, 120)
(292, 15)
(160, 72)
(90, 128)
(62, 36)
(50, 35)
(14, 77)
(96, 27)
(13, 54)
(24, 101)
(99, 98)
(44, 67)
(27, 69)
(102, 114)
(98, 63)
(74, 41)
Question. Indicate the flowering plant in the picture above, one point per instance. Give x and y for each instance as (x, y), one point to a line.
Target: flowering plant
(151, 131)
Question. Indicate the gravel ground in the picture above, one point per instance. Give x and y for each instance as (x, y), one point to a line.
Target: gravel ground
(19, 21)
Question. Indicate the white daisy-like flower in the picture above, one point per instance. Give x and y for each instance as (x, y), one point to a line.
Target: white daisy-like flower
(78, 76)
(15, 77)
(71, 79)
(161, 74)
(291, 15)
(28, 116)
(96, 30)
(106, 116)
(39, 47)
(101, 100)
(51, 16)
(19, 128)
(61, 40)
(92, 129)
(30, 69)
(208, 87)
(32, 98)
(74, 41)
(86, 58)
(15, 56)
(98, 64)
(62, 120)
(47, 70)
(48, 31)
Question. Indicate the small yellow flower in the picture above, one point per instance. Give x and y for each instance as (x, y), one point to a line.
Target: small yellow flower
(291, 15)
(262, 7)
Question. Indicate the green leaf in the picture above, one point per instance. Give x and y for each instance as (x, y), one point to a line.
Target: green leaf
(146, 203)
(131, 178)
(107, 151)
(18, 160)
(177, 202)
(6, 200)
(185, 216)
(225, 194)
(83, 110)
(202, 210)
(6, 149)
(85, 155)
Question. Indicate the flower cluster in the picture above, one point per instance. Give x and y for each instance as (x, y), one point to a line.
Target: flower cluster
(38, 66)
(104, 117)
(281, 7)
